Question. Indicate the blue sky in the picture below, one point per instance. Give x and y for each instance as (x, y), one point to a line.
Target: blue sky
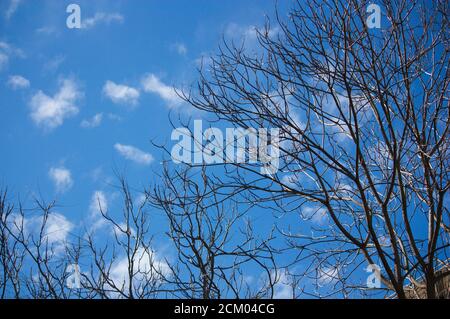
(74, 104)
(78, 104)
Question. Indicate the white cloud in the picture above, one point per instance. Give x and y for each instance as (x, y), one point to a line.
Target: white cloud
(328, 275)
(121, 94)
(248, 33)
(119, 229)
(234, 30)
(6, 52)
(296, 120)
(54, 63)
(47, 30)
(146, 267)
(203, 60)
(318, 216)
(290, 180)
(344, 190)
(180, 48)
(97, 174)
(134, 154)
(114, 117)
(101, 17)
(55, 233)
(12, 8)
(98, 204)
(283, 286)
(151, 83)
(61, 177)
(141, 199)
(57, 228)
(18, 82)
(95, 121)
(11, 50)
(51, 111)
(4, 59)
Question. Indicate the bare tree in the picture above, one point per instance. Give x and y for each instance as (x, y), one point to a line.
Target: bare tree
(364, 120)
(215, 249)
(33, 265)
(216, 246)
(364, 161)
(126, 267)
(11, 256)
(36, 262)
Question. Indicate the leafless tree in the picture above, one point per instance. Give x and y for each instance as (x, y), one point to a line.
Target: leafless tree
(364, 120)
(126, 267)
(216, 246)
(32, 264)
(11, 256)
(364, 162)
(36, 264)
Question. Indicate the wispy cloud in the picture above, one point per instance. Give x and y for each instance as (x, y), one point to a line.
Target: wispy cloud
(47, 30)
(180, 48)
(4, 59)
(51, 111)
(97, 206)
(234, 30)
(317, 215)
(247, 32)
(147, 266)
(6, 52)
(328, 275)
(290, 180)
(54, 63)
(18, 82)
(283, 285)
(203, 60)
(55, 229)
(134, 154)
(62, 178)
(10, 49)
(95, 121)
(121, 94)
(151, 83)
(12, 8)
(102, 18)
